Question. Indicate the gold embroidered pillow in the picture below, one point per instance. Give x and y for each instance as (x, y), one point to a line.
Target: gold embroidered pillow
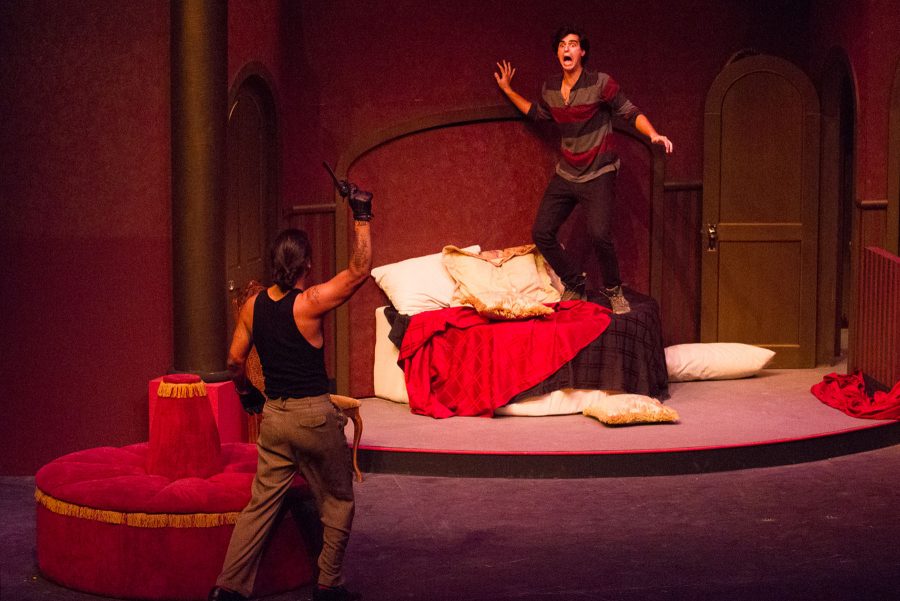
(511, 283)
(623, 409)
(508, 305)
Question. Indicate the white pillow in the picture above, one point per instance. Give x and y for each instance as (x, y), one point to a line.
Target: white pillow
(558, 402)
(715, 361)
(389, 381)
(417, 284)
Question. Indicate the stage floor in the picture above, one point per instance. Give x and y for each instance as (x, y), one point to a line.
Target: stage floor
(769, 419)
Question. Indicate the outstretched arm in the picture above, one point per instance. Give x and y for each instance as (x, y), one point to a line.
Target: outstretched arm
(322, 298)
(644, 126)
(504, 80)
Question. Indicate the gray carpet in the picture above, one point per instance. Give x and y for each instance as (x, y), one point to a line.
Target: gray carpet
(820, 530)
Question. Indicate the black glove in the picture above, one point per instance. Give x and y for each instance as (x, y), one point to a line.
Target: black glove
(252, 399)
(360, 203)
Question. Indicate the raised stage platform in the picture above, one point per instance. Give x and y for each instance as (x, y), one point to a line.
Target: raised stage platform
(770, 419)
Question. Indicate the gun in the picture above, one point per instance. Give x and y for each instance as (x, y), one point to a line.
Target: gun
(343, 187)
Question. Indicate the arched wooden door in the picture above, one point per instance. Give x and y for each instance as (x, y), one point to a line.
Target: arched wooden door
(251, 192)
(760, 209)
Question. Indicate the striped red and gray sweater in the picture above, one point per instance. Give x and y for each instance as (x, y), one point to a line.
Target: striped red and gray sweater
(585, 123)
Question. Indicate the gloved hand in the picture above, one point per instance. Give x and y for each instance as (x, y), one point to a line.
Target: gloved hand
(252, 400)
(360, 203)
(360, 200)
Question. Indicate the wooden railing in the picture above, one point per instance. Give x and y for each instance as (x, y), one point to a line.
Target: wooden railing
(877, 340)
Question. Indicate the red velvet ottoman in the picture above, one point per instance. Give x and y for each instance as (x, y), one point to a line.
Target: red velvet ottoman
(106, 527)
(128, 523)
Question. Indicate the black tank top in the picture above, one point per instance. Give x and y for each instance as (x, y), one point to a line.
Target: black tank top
(291, 366)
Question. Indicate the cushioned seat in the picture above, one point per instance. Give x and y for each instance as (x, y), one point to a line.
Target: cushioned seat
(153, 520)
(107, 527)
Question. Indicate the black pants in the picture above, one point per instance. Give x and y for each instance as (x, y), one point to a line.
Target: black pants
(560, 199)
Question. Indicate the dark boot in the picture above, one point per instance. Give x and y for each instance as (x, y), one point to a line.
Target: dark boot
(577, 290)
(337, 593)
(223, 594)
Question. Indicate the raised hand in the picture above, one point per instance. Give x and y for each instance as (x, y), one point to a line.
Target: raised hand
(360, 203)
(504, 77)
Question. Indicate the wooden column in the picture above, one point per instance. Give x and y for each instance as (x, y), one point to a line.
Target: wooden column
(199, 30)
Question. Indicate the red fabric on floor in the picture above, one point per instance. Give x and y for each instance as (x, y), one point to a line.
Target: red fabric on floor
(847, 393)
(457, 362)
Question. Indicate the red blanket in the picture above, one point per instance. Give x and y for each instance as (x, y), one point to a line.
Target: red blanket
(457, 362)
(847, 393)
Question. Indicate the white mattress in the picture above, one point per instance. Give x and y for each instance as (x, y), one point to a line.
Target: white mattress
(391, 385)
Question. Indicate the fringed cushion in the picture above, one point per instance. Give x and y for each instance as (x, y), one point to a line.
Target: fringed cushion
(623, 409)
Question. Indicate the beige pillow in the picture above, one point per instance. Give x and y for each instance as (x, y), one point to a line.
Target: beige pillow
(622, 409)
(511, 283)
(715, 361)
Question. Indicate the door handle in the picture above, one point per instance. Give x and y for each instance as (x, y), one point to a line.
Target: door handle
(712, 237)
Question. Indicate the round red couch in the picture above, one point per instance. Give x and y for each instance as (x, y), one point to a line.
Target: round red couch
(106, 526)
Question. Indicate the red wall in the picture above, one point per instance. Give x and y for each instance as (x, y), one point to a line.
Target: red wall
(869, 32)
(85, 174)
(86, 283)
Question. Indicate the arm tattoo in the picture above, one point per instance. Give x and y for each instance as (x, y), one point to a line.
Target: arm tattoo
(314, 294)
(360, 257)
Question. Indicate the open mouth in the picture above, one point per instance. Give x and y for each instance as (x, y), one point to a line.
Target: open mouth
(567, 60)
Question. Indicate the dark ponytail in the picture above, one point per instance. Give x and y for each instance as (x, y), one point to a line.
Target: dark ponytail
(290, 258)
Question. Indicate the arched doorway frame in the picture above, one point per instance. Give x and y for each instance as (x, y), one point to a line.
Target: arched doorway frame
(838, 93)
(255, 79)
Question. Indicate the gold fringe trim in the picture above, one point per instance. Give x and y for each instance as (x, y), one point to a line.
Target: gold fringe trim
(136, 520)
(181, 391)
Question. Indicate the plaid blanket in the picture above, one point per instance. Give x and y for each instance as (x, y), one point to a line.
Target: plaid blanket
(629, 356)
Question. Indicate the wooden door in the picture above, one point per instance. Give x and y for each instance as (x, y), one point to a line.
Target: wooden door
(251, 204)
(760, 210)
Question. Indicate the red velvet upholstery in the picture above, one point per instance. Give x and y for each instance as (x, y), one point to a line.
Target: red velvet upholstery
(128, 560)
(153, 520)
(184, 441)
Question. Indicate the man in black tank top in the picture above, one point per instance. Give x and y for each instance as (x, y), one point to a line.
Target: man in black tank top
(301, 430)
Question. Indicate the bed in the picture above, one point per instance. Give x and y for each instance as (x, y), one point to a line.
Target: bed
(480, 333)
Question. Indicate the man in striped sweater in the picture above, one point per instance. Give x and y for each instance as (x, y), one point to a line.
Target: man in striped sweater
(582, 103)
